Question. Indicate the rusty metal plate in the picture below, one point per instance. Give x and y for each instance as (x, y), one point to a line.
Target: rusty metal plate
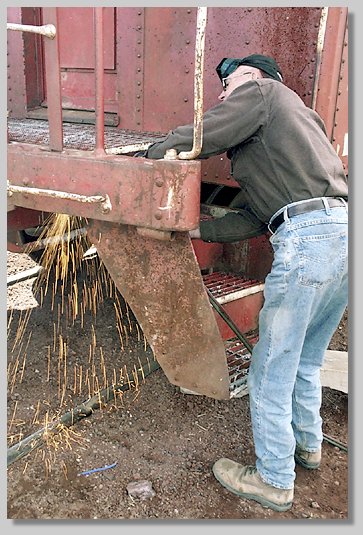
(161, 282)
(156, 194)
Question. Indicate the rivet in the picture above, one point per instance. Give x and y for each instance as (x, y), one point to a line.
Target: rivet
(138, 109)
(189, 11)
(139, 55)
(185, 100)
(247, 42)
(138, 96)
(139, 27)
(139, 12)
(139, 42)
(138, 83)
(159, 182)
(188, 41)
(158, 215)
(186, 71)
(25, 181)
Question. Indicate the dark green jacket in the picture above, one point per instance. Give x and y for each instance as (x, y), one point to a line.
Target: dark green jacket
(278, 149)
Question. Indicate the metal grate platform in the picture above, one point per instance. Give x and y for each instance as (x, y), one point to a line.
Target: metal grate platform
(76, 136)
(238, 362)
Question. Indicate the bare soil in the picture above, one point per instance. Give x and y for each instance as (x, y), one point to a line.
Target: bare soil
(151, 432)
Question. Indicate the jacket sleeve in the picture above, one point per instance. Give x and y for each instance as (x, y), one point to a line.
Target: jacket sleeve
(233, 227)
(224, 126)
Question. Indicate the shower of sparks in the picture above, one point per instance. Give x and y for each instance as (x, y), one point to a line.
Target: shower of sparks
(73, 304)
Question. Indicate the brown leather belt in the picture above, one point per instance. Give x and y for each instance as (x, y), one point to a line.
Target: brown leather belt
(302, 208)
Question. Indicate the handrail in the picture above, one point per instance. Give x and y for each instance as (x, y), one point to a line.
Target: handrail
(48, 30)
(99, 81)
(52, 73)
(198, 87)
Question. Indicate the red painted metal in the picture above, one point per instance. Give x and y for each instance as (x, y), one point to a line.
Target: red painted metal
(332, 98)
(159, 194)
(162, 283)
(16, 88)
(236, 297)
(52, 74)
(251, 258)
(158, 45)
(22, 218)
(207, 254)
(18, 220)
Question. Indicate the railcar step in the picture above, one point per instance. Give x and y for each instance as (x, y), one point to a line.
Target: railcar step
(226, 287)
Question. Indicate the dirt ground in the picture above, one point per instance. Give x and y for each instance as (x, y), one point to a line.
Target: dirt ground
(151, 434)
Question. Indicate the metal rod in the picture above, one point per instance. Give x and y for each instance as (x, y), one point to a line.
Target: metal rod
(30, 443)
(334, 442)
(53, 84)
(99, 75)
(319, 52)
(24, 275)
(48, 30)
(229, 321)
(105, 202)
(198, 87)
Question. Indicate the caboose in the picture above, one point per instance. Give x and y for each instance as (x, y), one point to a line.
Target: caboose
(87, 88)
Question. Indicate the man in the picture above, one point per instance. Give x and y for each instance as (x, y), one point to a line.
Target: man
(293, 184)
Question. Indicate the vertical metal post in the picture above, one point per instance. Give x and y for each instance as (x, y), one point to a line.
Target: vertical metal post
(198, 86)
(99, 75)
(53, 82)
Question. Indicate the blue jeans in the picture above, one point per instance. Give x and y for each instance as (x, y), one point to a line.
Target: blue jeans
(305, 294)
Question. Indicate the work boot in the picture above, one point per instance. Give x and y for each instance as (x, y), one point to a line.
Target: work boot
(246, 482)
(307, 459)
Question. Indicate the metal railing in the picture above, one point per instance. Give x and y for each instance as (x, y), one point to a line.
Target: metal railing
(52, 73)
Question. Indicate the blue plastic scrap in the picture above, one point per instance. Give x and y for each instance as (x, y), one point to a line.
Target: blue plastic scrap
(106, 467)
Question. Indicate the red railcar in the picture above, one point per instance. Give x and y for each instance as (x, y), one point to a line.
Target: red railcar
(87, 86)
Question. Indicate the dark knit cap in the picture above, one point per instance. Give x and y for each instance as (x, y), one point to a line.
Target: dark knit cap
(264, 63)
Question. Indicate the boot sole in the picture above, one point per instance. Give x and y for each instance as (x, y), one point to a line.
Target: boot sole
(263, 501)
(306, 465)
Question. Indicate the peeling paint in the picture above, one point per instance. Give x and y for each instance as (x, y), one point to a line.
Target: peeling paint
(169, 202)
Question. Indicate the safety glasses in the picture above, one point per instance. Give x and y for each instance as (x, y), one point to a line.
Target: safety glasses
(226, 80)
